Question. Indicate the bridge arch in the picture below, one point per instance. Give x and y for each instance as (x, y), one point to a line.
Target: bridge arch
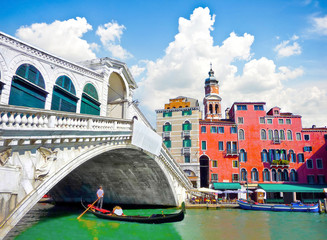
(117, 96)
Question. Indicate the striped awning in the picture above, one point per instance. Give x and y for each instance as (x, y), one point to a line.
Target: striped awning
(292, 187)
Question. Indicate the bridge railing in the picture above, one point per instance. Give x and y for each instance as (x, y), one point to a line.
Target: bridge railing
(15, 117)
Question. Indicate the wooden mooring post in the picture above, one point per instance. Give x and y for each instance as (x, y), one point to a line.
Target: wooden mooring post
(320, 206)
(325, 201)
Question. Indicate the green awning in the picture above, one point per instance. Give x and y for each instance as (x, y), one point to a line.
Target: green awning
(292, 187)
(222, 185)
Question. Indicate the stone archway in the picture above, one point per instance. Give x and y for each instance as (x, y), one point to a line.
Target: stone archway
(117, 95)
(204, 171)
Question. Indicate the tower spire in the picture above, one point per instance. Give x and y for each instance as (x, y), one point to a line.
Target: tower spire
(211, 72)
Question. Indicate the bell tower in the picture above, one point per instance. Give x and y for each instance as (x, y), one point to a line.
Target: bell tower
(212, 101)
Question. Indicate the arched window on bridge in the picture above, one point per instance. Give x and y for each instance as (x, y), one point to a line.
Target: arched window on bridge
(64, 95)
(27, 87)
(90, 100)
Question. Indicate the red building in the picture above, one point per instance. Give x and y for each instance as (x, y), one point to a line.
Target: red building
(254, 146)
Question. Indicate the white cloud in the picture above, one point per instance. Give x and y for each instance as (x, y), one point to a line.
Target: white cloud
(183, 69)
(137, 70)
(110, 35)
(62, 38)
(320, 25)
(286, 48)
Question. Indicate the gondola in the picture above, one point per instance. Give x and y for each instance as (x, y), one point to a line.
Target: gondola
(293, 207)
(154, 218)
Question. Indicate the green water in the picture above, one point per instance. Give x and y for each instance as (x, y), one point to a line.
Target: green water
(59, 223)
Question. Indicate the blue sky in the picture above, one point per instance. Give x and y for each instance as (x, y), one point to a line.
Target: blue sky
(272, 50)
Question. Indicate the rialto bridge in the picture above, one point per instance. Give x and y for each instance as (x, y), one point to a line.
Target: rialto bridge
(66, 128)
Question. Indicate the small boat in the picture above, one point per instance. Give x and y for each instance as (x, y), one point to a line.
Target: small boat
(293, 207)
(154, 218)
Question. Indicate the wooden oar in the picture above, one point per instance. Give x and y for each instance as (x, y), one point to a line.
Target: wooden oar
(87, 209)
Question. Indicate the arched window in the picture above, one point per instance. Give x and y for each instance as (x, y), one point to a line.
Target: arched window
(210, 108)
(285, 175)
(270, 134)
(264, 156)
(282, 134)
(263, 134)
(187, 125)
(283, 154)
(293, 175)
(64, 95)
(289, 135)
(254, 175)
(276, 136)
(90, 100)
(27, 87)
(266, 175)
(243, 175)
(279, 175)
(274, 175)
(216, 108)
(292, 156)
(167, 127)
(241, 134)
(243, 156)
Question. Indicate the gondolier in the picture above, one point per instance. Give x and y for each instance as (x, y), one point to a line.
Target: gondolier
(100, 194)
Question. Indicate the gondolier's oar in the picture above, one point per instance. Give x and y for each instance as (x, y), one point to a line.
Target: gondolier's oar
(87, 209)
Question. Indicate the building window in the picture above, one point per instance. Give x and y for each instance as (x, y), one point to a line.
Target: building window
(298, 136)
(167, 127)
(214, 177)
(309, 164)
(243, 175)
(240, 120)
(263, 134)
(306, 137)
(241, 107)
(261, 120)
(321, 179)
(258, 107)
(285, 175)
(300, 157)
(266, 175)
(187, 126)
(243, 156)
(204, 145)
(167, 143)
(254, 175)
(233, 130)
(307, 149)
(167, 114)
(235, 177)
(293, 175)
(289, 135)
(280, 121)
(319, 163)
(288, 121)
(292, 156)
(221, 146)
(241, 134)
(231, 147)
(279, 175)
(282, 135)
(274, 175)
(221, 130)
(187, 143)
(269, 121)
(214, 163)
(187, 158)
(235, 164)
(186, 112)
(264, 156)
(311, 179)
(203, 129)
(276, 112)
(213, 129)
(270, 134)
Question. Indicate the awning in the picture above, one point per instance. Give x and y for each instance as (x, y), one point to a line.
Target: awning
(292, 188)
(223, 185)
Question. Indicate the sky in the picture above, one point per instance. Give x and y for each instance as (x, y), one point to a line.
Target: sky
(271, 51)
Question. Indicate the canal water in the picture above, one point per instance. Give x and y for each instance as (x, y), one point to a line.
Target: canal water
(49, 222)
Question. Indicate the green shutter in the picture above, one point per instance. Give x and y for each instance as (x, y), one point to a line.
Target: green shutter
(63, 100)
(167, 143)
(187, 143)
(89, 105)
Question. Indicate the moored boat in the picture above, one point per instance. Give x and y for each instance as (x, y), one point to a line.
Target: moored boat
(154, 218)
(293, 207)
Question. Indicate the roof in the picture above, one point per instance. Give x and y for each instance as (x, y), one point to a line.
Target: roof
(292, 187)
(217, 121)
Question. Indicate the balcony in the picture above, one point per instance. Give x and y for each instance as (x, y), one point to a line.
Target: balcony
(166, 135)
(231, 152)
(186, 150)
(276, 140)
(280, 164)
(186, 133)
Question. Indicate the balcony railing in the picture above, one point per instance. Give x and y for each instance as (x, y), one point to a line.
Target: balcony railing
(231, 152)
(186, 150)
(166, 135)
(280, 164)
(186, 133)
(276, 140)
